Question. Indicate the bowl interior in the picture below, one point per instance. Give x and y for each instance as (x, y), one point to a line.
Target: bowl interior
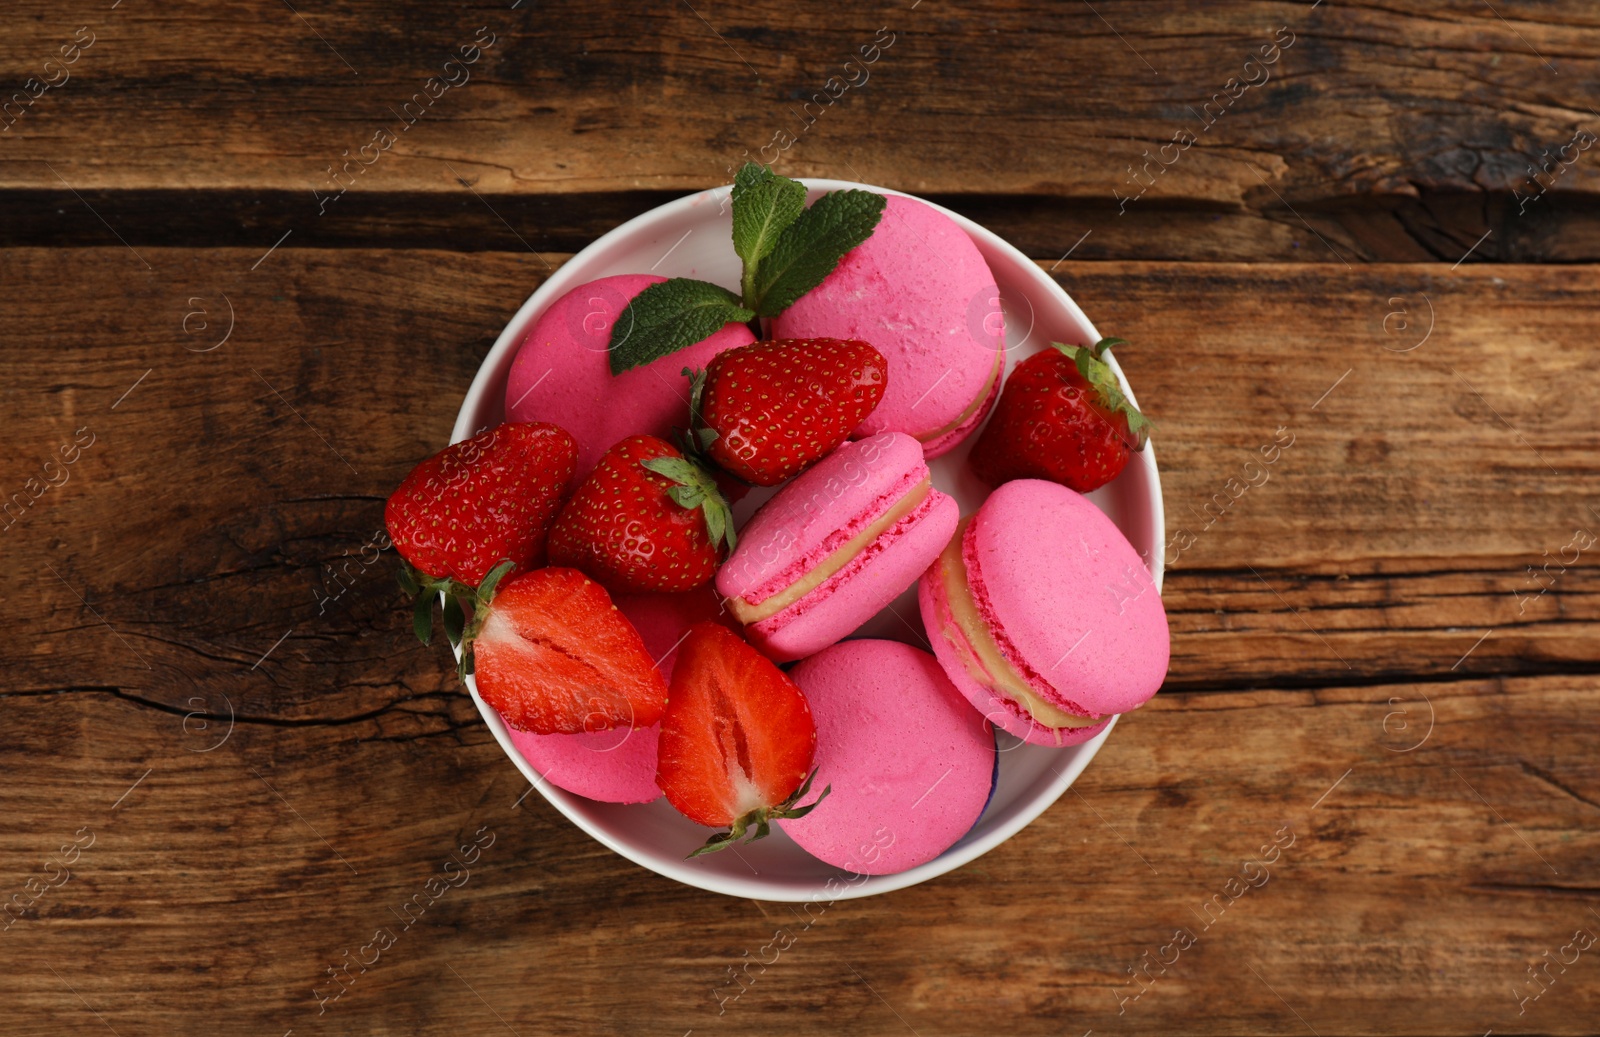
(691, 237)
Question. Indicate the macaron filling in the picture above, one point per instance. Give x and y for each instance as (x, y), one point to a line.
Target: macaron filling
(972, 408)
(969, 634)
(809, 580)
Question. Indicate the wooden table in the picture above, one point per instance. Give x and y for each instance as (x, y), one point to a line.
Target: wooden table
(222, 350)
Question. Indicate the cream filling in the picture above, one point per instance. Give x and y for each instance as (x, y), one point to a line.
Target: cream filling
(842, 556)
(972, 408)
(984, 659)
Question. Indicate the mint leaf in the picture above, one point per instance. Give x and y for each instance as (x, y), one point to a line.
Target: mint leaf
(811, 247)
(668, 316)
(764, 205)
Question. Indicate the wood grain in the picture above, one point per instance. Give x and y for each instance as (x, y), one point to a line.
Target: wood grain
(1364, 331)
(1418, 888)
(1395, 529)
(179, 575)
(1400, 132)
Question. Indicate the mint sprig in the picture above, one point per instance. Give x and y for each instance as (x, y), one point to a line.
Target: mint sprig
(810, 248)
(786, 248)
(764, 206)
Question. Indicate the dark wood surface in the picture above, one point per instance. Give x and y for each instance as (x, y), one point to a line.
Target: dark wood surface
(1362, 659)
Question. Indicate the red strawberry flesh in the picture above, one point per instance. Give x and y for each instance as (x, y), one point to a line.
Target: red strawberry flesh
(737, 735)
(555, 656)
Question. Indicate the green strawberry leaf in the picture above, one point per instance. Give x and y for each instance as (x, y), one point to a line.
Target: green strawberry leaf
(686, 496)
(668, 316)
(809, 249)
(486, 588)
(788, 808)
(408, 579)
(422, 619)
(761, 820)
(680, 470)
(721, 841)
(1091, 364)
(764, 205)
(454, 620)
(697, 489)
(717, 522)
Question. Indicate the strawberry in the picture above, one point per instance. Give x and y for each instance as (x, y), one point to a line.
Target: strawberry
(554, 655)
(1062, 417)
(646, 519)
(472, 513)
(484, 500)
(737, 739)
(776, 407)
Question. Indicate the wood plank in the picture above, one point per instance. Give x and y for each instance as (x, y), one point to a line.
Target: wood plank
(1419, 886)
(217, 521)
(1399, 131)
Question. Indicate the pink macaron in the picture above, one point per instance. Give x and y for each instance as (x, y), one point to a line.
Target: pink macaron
(909, 765)
(619, 766)
(836, 545)
(562, 373)
(1044, 615)
(920, 292)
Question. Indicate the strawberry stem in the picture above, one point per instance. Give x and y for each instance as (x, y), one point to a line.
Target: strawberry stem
(761, 818)
(695, 441)
(460, 627)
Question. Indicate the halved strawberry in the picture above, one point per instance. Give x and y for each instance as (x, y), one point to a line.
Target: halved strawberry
(1062, 417)
(737, 738)
(646, 519)
(777, 407)
(554, 655)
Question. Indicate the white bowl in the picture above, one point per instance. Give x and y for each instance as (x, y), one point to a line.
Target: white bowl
(691, 237)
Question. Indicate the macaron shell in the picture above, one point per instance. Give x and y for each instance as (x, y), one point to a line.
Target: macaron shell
(619, 766)
(842, 603)
(562, 372)
(616, 766)
(1067, 597)
(820, 509)
(950, 440)
(998, 710)
(920, 292)
(909, 765)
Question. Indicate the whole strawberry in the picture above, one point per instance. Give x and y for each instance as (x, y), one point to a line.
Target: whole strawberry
(776, 407)
(737, 738)
(482, 501)
(646, 519)
(1062, 417)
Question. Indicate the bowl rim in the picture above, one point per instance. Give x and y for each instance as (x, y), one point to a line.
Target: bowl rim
(564, 279)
